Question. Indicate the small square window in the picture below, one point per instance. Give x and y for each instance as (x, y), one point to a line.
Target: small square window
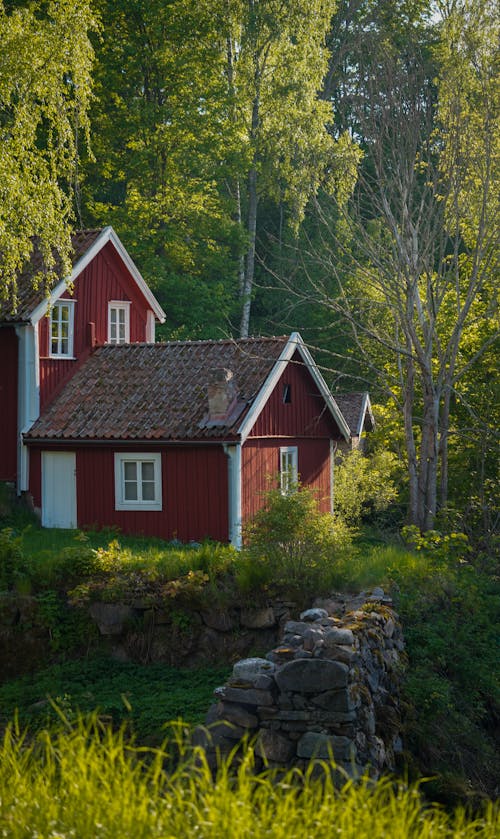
(138, 481)
(61, 329)
(119, 322)
(289, 475)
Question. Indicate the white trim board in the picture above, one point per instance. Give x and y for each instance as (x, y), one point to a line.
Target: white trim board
(294, 343)
(106, 235)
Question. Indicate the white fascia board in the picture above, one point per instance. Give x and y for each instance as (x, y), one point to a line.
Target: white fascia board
(132, 267)
(267, 389)
(106, 235)
(295, 342)
(366, 407)
(322, 387)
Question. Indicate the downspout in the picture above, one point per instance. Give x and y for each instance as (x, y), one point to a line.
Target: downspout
(333, 452)
(28, 397)
(233, 452)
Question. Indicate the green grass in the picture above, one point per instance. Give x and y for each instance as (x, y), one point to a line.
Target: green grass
(144, 698)
(88, 782)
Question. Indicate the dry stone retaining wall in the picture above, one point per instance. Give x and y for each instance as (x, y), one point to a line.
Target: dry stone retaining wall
(330, 689)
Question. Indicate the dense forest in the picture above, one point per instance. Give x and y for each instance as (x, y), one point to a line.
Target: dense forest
(330, 167)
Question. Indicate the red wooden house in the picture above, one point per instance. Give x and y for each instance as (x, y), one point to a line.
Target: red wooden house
(103, 427)
(44, 340)
(179, 439)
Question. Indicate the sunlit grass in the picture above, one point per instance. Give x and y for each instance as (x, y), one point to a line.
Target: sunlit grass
(87, 782)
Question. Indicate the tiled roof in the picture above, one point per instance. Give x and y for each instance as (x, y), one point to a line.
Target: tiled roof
(28, 297)
(156, 391)
(351, 406)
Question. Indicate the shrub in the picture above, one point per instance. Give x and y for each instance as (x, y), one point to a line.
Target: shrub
(291, 544)
(11, 558)
(364, 485)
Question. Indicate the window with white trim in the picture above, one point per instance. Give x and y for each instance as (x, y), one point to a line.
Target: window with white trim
(138, 481)
(61, 329)
(289, 474)
(119, 322)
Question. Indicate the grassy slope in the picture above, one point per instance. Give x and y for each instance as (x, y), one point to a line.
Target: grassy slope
(450, 613)
(87, 782)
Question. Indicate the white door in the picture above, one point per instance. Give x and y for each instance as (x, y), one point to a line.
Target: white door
(58, 489)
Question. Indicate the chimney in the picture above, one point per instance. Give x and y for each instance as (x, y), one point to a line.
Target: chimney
(221, 394)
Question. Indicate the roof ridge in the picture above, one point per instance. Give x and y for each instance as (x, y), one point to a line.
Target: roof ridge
(202, 341)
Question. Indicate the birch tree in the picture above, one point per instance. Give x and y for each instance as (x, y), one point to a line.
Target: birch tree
(420, 298)
(45, 93)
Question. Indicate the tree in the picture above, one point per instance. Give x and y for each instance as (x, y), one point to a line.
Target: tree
(207, 108)
(45, 92)
(420, 233)
(279, 70)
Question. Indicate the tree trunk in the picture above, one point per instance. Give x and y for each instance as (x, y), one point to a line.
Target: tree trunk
(250, 262)
(410, 443)
(427, 490)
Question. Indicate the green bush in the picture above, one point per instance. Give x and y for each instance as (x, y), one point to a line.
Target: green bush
(291, 545)
(365, 485)
(11, 558)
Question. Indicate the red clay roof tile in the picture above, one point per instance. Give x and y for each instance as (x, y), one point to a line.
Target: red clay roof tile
(156, 391)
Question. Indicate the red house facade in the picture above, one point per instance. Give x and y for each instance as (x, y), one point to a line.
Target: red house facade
(44, 340)
(179, 440)
(102, 426)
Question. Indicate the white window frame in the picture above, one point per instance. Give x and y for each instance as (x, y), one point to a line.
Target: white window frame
(289, 471)
(119, 306)
(58, 322)
(122, 503)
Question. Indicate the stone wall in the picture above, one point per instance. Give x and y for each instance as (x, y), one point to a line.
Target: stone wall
(331, 688)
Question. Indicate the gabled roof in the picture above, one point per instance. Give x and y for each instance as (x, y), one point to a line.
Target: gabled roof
(159, 391)
(357, 410)
(34, 303)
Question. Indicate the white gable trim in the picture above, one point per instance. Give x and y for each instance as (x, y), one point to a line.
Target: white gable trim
(106, 235)
(365, 407)
(294, 343)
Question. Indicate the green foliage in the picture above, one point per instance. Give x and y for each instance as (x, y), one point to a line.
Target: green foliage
(365, 484)
(291, 545)
(69, 630)
(89, 782)
(45, 92)
(10, 558)
(142, 697)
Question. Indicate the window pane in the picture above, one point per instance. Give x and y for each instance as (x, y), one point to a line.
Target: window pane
(130, 491)
(130, 470)
(148, 491)
(148, 471)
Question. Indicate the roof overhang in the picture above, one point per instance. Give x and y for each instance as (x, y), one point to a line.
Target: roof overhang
(106, 235)
(294, 343)
(366, 409)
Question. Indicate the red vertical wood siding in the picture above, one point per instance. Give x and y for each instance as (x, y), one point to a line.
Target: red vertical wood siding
(306, 415)
(260, 468)
(105, 278)
(8, 403)
(194, 491)
(304, 422)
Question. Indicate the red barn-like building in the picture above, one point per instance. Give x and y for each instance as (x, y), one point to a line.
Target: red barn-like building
(104, 427)
(178, 440)
(44, 340)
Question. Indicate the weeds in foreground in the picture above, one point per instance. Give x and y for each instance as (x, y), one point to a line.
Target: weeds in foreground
(87, 781)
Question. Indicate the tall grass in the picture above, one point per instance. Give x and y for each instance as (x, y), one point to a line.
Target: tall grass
(87, 782)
